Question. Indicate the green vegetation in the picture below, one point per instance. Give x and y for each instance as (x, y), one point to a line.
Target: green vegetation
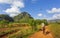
(55, 28)
(6, 18)
(20, 26)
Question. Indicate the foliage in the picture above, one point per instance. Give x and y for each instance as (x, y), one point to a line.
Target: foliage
(22, 20)
(23, 15)
(55, 28)
(6, 17)
(44, 21)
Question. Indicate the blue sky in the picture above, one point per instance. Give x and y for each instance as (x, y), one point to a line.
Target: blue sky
(39, 9)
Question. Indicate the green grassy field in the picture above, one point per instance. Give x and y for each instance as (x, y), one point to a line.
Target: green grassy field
(55, 28)
(17, 30)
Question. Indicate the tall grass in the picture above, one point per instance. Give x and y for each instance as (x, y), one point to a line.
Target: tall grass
(24, 33)
(24, 30)
(55, 28)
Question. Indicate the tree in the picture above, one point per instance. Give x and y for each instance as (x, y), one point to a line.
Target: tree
(6, 17)
(45, 21)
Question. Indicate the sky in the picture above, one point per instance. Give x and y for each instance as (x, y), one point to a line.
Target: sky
(39, 9)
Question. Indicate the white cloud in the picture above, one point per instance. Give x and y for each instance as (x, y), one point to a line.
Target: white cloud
(54, 10)
(6, 1)
(39, 14)
(9, 1)
(12, 10)
(16, 5)
(56, 16)
(12, 15)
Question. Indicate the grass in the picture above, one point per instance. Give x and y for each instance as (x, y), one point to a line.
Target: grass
(6, 32)
(23, 31)
(55, 28)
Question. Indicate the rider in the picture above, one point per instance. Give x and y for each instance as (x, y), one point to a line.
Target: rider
(43, 28)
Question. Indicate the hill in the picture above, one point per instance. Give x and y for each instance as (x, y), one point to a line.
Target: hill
(6, 17)
(23, 16)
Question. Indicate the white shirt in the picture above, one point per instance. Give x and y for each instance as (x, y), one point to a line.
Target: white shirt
(43, 24)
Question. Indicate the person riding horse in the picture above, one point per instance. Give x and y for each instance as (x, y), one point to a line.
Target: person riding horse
(43, 28)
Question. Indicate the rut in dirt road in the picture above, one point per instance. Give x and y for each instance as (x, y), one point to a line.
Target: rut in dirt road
(41, 35)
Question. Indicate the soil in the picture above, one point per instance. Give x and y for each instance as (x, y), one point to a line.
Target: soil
(40, 34)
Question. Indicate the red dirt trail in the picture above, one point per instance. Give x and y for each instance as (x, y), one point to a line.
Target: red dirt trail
(40, 34)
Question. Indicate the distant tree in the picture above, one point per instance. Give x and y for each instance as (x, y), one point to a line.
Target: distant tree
(45, 21)
(6, 17)
(38, 21)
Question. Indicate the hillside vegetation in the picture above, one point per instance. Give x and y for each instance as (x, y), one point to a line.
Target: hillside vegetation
(55, 29)
(20, 26)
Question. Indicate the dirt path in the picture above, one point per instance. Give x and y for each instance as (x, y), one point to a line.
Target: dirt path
(41, 35)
